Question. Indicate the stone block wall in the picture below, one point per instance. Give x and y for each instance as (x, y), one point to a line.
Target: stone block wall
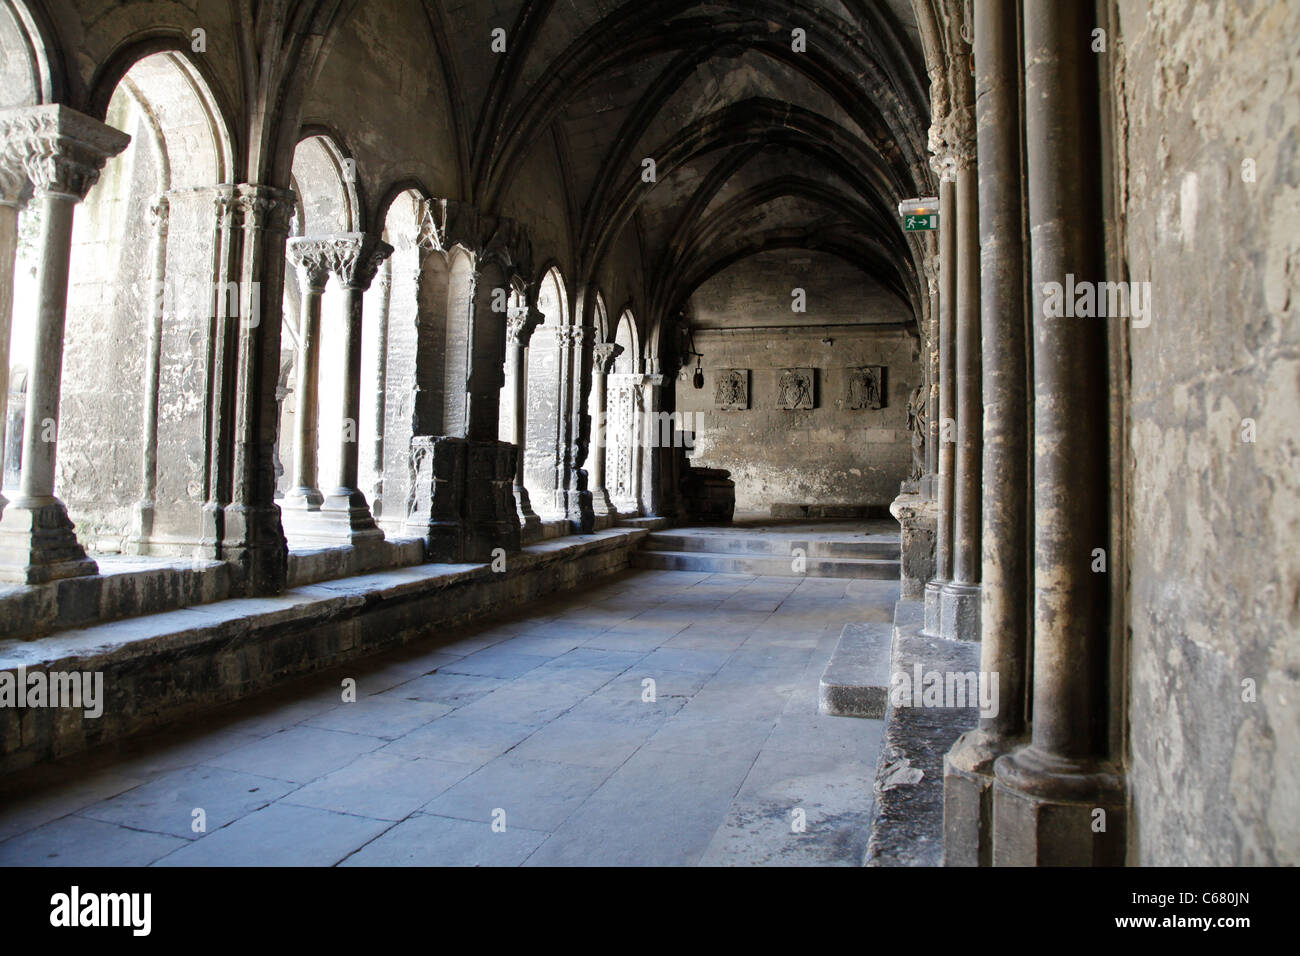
(1212, 104)
(828, 454)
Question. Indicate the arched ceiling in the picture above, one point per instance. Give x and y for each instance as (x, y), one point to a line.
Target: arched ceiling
(757, 146)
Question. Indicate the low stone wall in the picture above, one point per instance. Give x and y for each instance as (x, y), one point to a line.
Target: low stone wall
(164, 667)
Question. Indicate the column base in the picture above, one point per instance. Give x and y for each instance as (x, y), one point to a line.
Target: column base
(968, 797)
(917, 519)
(579, 512)
(141, 529)
(344, 518)
(253, 540)
(302, 498)
(601, 504)
(530, 525)
(933, 595)
(38, 543)
(1053, 812)
(959, 612)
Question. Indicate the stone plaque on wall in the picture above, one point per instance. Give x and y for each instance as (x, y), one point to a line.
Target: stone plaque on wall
(731, 389)
(864, 387)
(794, 388)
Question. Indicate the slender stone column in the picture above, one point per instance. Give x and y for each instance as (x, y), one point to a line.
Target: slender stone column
(145, 507)
(649, 470)
(62, 153)
(13, 182)
(520, 325)
(1004, 598)
(312, 257)
(930, 480)
(1060, 800)
(959, 604)
(355, 260)
(380, 370)
(603, 355)
(946, 421)
(575, 499)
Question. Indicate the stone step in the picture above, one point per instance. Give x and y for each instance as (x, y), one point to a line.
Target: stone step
(770, 565)
(856, 680)
(872, 546)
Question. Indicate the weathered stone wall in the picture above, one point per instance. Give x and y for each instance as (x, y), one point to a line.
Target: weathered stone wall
(106, 333)
(829, 454)
(1212, 101)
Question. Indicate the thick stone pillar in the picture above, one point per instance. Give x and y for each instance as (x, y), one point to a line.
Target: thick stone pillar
(1060, 800)
(345, 514)
(250, 534)
(603, 355)
(304, 495)
(520, 326)
(62, 153)
(13, 183)
(381, 384)
(959, 603)
(1004, 597)
(945, 423)
(143, 518)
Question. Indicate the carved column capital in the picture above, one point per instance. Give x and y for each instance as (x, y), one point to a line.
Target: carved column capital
(571, 336)
(311, 255)
(263, 207)
(521, 323)
(353, 258)
(60, 150)
(603, 354)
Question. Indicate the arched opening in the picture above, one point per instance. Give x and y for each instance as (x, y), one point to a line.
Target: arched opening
(542, 451)
(311, 335)
(138, 337)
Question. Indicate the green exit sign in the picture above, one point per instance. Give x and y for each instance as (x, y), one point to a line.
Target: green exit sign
(921, 223)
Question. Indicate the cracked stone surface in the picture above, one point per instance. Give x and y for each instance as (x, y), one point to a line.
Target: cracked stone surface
(541, 722)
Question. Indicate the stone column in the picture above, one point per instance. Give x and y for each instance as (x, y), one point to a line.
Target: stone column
(959, 602)
(13, 183)
(1060, 800)
(651, 492)
(603, 355)
(930, 480)
(62, 153)
(1004, 598)
(520, 325)
(311, 256)
(381, 383)
(355, 258)
(945, 424)
(576, 499)
(145, 507)
(251, 536)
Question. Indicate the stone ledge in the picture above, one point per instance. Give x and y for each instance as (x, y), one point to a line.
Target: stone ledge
(907, 823)
(123, 588)
(856, 680)
(162, 667)
(310, 565)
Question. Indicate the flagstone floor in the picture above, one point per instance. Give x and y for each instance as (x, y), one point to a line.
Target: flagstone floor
(655, 718)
